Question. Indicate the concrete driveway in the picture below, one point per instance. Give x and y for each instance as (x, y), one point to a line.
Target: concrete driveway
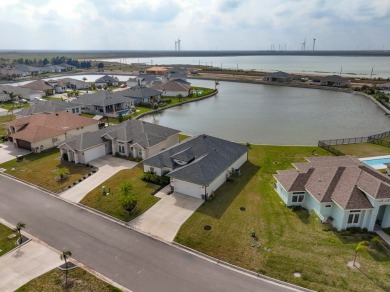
(108, 166)
(164, 219)
(9, 152)
(26, 263)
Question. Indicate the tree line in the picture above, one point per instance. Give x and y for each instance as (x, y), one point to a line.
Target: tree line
(55, 61)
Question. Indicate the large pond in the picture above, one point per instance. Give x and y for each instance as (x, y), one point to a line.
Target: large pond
(262, 114)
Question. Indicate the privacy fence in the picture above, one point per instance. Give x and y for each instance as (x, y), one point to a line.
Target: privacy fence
(376, 139)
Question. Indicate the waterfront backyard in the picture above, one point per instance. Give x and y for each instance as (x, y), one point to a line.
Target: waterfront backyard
(286, 241)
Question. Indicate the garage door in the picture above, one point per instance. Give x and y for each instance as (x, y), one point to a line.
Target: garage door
(94, 153)
(188, 189)
(24, 144)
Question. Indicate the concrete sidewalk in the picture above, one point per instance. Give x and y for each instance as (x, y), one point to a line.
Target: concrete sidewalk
(165, 218)
(383, 235)
(26, 263)
(108, 166)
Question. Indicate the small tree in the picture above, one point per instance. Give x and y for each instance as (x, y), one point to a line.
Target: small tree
(84, 79)
(179, 96)
(65, 255)
(120, 118)
(128, 199)
(362, 246)
(62, 173)
(18, 229)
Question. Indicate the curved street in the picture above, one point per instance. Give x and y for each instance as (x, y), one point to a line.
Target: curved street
(127, 257)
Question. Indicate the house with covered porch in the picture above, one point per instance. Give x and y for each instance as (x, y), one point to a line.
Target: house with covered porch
(132, 138)
(340, 190)
(105, 103)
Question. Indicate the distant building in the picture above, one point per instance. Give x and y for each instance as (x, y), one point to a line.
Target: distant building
(335, 81)
(50, 106)
(278, 77)
(156, 70)
(142, 94)
(384, 86)
(106, 81)
(173, 88)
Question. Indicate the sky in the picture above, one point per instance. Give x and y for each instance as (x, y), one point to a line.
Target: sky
(200, 24)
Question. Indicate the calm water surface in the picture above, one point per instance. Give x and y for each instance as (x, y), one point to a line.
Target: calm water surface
(321, 65)
(264, 114)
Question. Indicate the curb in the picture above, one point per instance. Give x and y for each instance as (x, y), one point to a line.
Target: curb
(239, 269)
(172, 244)
(17, 247)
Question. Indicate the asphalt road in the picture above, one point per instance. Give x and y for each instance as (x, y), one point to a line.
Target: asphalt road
(125, 256)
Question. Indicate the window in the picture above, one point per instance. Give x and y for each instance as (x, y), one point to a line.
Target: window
(328, 206)
(353, 217)
(152, 169)
(121, 149)
(298, 198)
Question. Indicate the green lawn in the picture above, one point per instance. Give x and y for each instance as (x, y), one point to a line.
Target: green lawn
(298, 241)
(3, 131)
(7, 118)
(110, 204)
(54, 279)
(9, 106)
(39, 169)
(7, 240)
(363, 149)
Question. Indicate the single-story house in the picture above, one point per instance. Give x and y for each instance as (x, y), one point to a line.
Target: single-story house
(156, 70)
(21, 92)
(141, 94)
(173, 88)
(106, 81)
(43, 131)
(105, 102)
(39, 85)
(278, 77)
(55, 69)
(335, 81)
(341, 190)
(50, 106)
(70, 83)
(197, 166)
(132, 138)
(67, 66)
(143, 80)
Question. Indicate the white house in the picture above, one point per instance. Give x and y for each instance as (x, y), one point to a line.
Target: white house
(132, 138)
(278, 77)
(173, 88)
(341, 190)
(106, 81)
(198, 166)
(21, 92)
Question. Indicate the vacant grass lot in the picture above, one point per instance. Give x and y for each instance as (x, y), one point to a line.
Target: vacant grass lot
(363, 149)
(295, 241)
(6, 244)
(110, 204)
(81, 279)
(7, 118)
(39, 169)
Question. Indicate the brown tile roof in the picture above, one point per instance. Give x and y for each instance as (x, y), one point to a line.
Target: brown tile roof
(38, 85)
(344, 180)
(43, 126)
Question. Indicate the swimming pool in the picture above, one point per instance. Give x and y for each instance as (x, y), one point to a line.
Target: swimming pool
(123, 112)
(377, 163)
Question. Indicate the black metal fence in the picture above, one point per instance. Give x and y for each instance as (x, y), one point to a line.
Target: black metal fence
(377, 139)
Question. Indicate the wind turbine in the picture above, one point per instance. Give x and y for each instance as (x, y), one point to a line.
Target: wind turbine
(304, 45)
(314, 43)
(178, 44)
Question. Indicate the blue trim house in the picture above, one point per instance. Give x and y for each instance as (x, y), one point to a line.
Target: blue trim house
(341, 190)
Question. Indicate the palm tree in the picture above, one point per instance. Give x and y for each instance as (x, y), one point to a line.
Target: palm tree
(18, 229)
(64, 257)
(362, 246)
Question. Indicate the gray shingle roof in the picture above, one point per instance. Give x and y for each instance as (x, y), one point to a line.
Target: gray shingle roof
(140, 92)
(208, 158)
(106, 78)
(102, 98)
(131, 131)
(50, 106)
(334, 78)
(280, 74)
(24, 92)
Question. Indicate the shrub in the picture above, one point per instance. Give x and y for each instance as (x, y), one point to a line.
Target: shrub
(62, 173)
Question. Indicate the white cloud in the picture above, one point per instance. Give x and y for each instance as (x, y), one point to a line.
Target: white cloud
(201, 24)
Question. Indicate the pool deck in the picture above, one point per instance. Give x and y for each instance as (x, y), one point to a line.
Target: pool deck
(379, 166)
